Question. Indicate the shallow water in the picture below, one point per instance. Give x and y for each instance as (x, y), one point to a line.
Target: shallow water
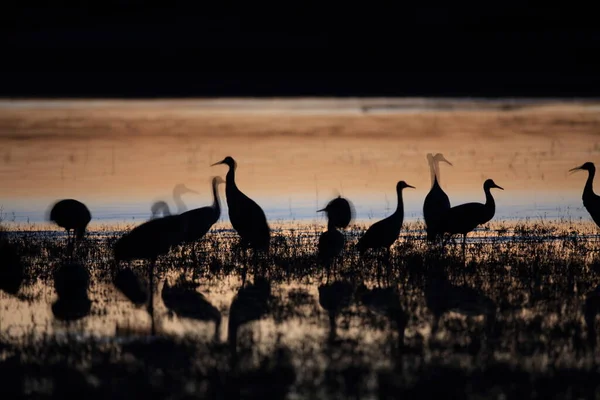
(293, 155)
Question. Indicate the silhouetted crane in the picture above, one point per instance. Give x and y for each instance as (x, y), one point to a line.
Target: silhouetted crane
(591, 201)
(11, 267)
(591, 308)
(466, 217)
(251, 303)
(246, 217)
(185, 301)
(331, 243)
(148, 241)
(163, 208)
(335, 297)
(71, 282)
(200, 220)
(441, 296)
(385, 232)
(339, 211)
(385, 301)
(437, 201)
(73, 215)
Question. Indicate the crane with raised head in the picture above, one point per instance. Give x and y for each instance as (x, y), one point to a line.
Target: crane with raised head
(436, 202)
(591, 201)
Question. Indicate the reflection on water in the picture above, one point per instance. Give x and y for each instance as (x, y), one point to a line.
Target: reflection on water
(121, 157)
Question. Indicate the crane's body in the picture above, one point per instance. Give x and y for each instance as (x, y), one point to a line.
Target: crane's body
(436, 202)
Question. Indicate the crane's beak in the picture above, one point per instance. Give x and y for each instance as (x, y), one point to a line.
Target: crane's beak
(447, 162)
(498, 187)
(576, 169)
(217, 163)
(322, 209)
(410, 186)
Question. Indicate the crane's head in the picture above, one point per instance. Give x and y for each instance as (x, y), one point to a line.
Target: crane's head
(340, 211)
(588, 166)
(402, 185)
(180, 189)
(440, 157)
(217, 180)
(489, 183)
(229, 161)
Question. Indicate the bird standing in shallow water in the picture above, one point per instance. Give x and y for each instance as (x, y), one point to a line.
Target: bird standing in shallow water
(72, 215)
(466, 217)
(437, 201)
(591, 201)
(331, 242)
(246, 217)
(385, 232)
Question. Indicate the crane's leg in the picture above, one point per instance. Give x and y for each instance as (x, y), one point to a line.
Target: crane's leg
(151, 290)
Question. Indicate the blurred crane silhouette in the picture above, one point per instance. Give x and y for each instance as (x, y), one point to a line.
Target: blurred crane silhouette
(162, 207)
(466, 217)
(437, 201)
(73, 215)
(185, 301)
(591, 201)
(148, 241)
(200, 220)
(71, 282)
(385, 232)
(339, 212)
(246, 217)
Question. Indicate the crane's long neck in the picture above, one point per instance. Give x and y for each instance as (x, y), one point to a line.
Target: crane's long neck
(181, 207)
(230, 179)
(431, 169)
(489, 200)
(436, 165)
(216, 201)
(589, 184)
(399, 213)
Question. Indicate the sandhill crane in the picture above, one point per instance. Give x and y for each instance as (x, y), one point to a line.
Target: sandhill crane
(339, 211)
(335, 297)
(331, 242)
(436, 202)
(187, 302)
(162, 207)
(73, 215)
(591, 308)
(591, 201)
(148, 241)
(71, 282)
(385, 301)
(466, 217)
(246, 217)
(385, 232)
(11, 267)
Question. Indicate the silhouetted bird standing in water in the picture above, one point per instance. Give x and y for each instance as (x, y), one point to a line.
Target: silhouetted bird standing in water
(339, 212)
(335, 297)
(437, 201)
(148, 241)
(247, 218)
(591, 201)
(185, 301)
(71, 215)
(386, 301)
(71, 282)
(385, 232)
(11, 267)
(591, 308)
(466, 217)
(163, 208)
(331, 242)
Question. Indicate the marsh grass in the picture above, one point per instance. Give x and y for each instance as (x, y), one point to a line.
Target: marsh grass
(537, 273)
